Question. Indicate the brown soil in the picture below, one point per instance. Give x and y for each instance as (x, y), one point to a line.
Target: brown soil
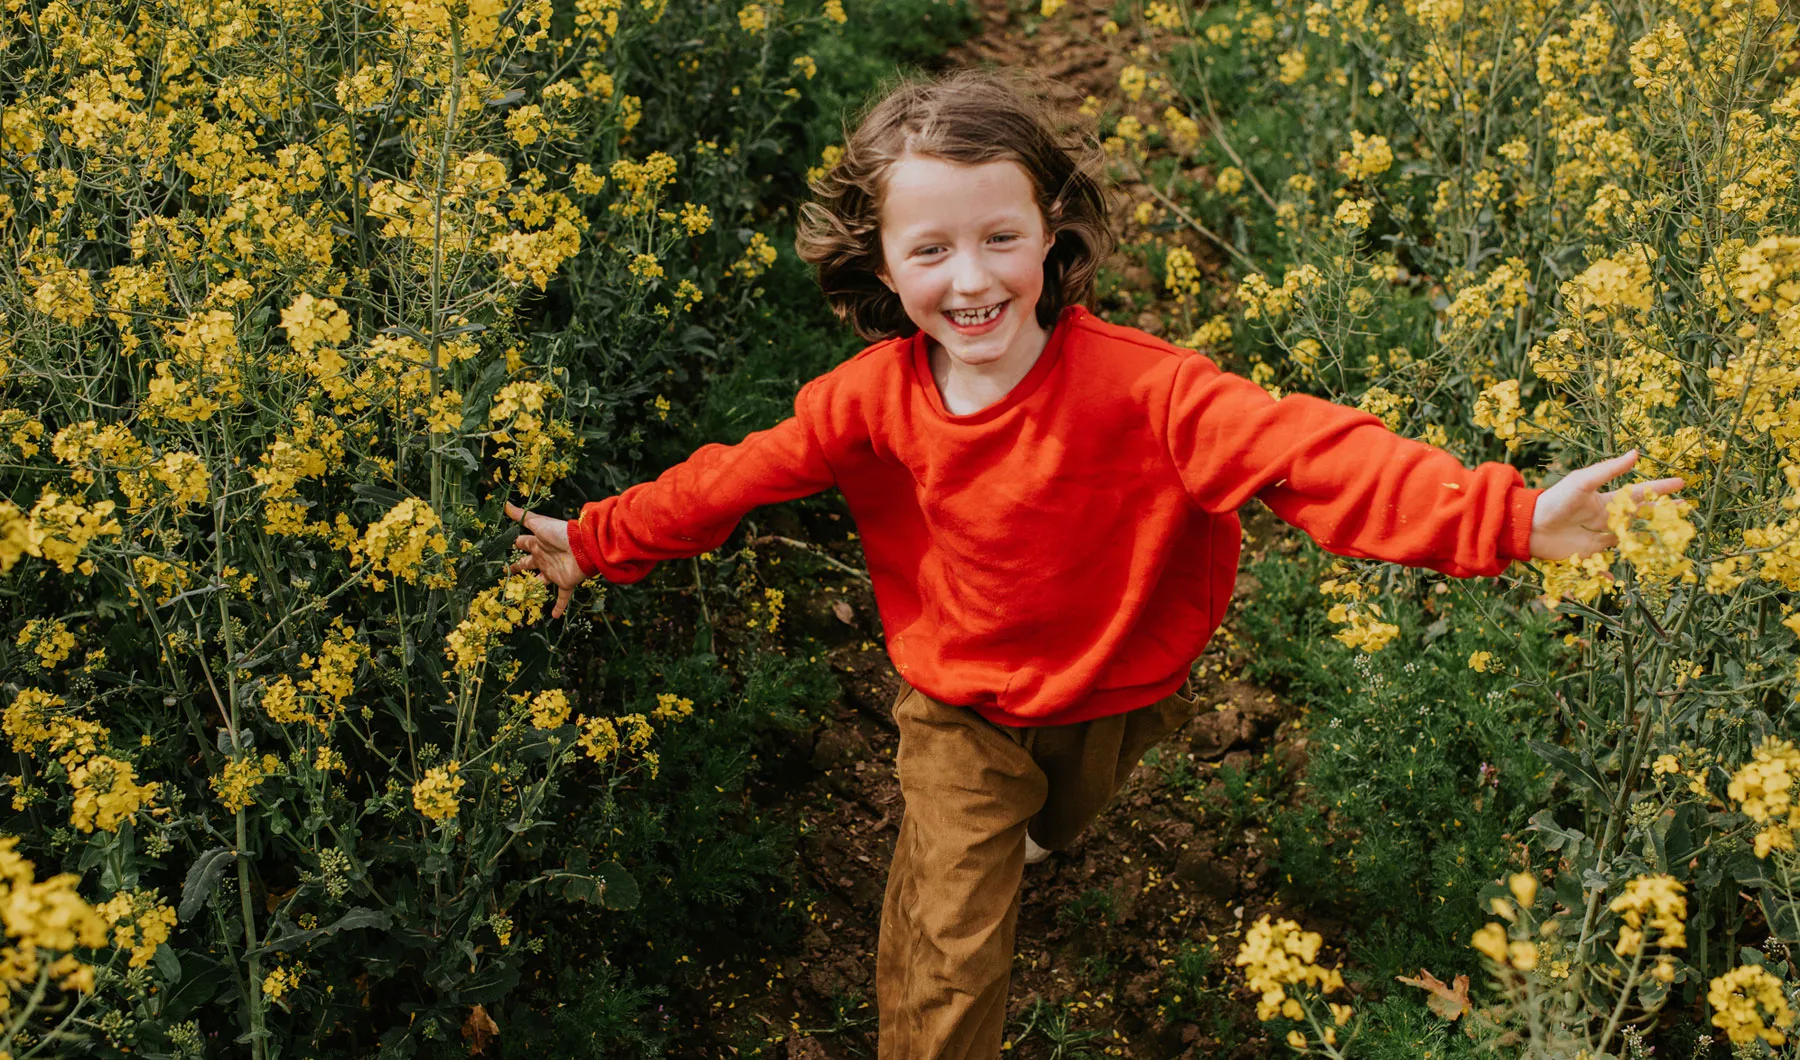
(1116, 933)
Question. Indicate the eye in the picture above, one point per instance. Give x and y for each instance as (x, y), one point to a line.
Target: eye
(1008, 236)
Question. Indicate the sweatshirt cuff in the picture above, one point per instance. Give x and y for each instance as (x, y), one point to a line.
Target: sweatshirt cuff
(582, 548)
(1515, 533)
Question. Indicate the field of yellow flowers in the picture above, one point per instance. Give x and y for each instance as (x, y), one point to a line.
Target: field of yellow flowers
(1543, 232)
(296, 295)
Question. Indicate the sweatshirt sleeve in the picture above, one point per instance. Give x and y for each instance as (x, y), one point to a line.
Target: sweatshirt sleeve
(693, 506)
(1339, 474)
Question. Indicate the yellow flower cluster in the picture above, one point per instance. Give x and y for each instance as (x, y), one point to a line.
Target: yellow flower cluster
(140, 922)
(671, 707)
(61, 529)
(1748, 1003)
(1620, 282)
(1653, 537)
(334, 668)
(1492, 940)
(1764, 789)
(550, 709)
(1184, 132)
(49, 638)
(45, 920)
(1497, 409)
(312, 323)
(1132, 81)
(757, 258)
(107, 794)
(35, 719)
(1583, 579)
(532, 441)
(435, 796)
(281, 981)
(494, 612)
(1651, 903)
(397, 542)
(1278, 957)
(1369, 156)
(1261, 300)
(1361, 619)
(1354, 213)
(236, 784)
(1382, 402)
(281, 701)
(1181, 274)
(643, 183)
(1213, 334)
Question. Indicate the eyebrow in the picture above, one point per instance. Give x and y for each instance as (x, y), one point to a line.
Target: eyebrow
(935, 233)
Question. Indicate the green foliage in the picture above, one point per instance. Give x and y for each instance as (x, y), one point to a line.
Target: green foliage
(1418, 784)
(402, 841)
(1059, 1027)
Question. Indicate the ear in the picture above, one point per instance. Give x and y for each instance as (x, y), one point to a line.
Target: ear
(881, 273)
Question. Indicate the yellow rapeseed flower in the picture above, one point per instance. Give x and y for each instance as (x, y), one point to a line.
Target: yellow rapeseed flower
(435, 796)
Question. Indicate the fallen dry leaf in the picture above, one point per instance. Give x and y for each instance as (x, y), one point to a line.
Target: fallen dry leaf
(480, 1029)
(1447, 1001)
(844, 612)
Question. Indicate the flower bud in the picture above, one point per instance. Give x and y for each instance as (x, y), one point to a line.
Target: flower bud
(1524, 887)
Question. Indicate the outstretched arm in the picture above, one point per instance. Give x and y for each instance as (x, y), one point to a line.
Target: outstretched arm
(689, 509)
(1359, 489)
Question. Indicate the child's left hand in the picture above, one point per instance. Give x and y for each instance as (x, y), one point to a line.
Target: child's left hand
(1570, 519)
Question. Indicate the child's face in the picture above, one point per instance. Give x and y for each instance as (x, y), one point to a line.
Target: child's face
(960, 237)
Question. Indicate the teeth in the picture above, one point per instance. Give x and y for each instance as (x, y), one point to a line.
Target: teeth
(969, 318)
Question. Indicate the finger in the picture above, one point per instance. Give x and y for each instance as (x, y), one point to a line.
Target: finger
(1592, 477)
(523, 565)
(1644, 492)
(516, 513)
(563, 596)
(525, 543)
(1661, 487)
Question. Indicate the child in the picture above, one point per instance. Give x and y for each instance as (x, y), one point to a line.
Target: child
(1047, 505)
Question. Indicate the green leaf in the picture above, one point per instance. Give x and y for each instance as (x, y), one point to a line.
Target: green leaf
(617, 889)
(1555, 835)
(358, 917)
(1579, 769)
(202, 877)
(168, 963)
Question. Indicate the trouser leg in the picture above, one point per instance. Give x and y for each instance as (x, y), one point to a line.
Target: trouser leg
(948, 918)
(1086, 763)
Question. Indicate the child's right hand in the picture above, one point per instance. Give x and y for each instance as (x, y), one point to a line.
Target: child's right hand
(546, 547)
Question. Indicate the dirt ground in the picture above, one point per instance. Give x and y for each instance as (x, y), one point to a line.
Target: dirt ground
(1125, 940)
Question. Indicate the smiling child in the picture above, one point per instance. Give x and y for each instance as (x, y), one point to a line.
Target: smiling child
(1047, 504)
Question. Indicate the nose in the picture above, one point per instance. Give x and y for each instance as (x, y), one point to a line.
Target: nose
(970, 276)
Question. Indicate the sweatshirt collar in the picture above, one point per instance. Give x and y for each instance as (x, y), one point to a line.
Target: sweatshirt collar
(920, 360)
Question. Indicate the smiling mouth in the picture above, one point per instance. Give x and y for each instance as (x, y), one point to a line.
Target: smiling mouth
(972, 317)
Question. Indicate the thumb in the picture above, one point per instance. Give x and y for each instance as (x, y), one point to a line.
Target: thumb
(1592, 477)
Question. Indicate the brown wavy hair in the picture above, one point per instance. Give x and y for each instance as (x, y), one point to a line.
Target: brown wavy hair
(969, 117)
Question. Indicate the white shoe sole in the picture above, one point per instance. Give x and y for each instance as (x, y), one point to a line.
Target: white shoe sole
(1033, 852)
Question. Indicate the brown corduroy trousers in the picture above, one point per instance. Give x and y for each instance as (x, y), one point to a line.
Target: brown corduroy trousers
(972, 789)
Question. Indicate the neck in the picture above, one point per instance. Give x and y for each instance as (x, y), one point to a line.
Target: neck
(968, 388)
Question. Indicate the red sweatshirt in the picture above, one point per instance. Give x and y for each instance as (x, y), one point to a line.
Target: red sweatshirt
(1066, 552)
